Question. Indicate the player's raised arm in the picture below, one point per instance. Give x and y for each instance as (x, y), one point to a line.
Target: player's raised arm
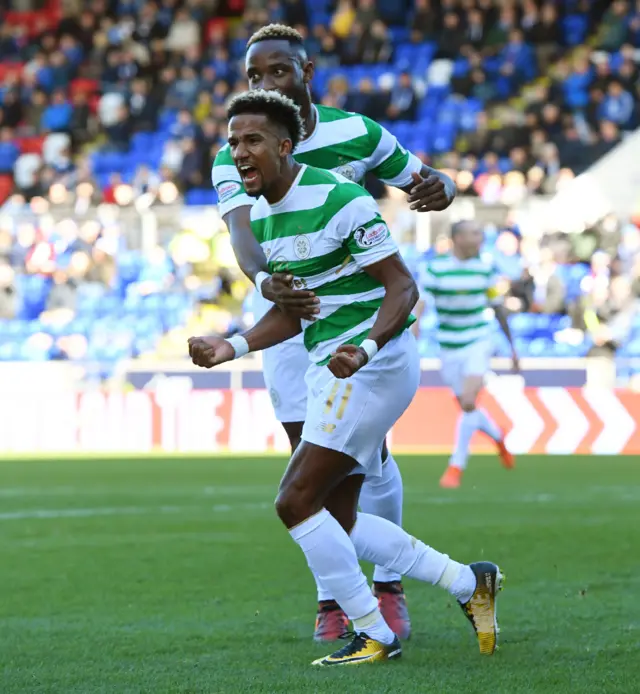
(272, 329)
(429, 190)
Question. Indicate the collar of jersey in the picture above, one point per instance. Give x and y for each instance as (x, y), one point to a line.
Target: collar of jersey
(289, 193)
(466, 260)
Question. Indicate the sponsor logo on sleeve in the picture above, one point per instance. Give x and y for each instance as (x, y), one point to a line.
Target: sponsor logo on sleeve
(371, 236)
(227, 190)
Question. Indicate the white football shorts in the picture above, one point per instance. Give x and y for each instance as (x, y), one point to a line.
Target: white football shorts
(354, 415)
(284, 367)
(457, 364)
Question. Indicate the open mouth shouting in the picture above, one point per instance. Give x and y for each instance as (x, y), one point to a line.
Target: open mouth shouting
(250, 176)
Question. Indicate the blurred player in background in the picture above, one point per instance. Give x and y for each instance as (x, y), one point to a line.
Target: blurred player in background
(363, 372)
(463, 287)
(352, 145)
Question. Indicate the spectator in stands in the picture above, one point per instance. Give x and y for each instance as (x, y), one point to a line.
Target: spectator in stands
(618, 105)
(57, 116)
(9, 150)
(474, 30)
(576, 85)
(184, 32)
(545, 35)
(609, 314)
(498, 33)
(190, 175)
(351, 45)
(62, 298)
(367, 100)
(184, 126)
(450, 38)
(423, 24)
(613, 28)
(12, 111)
(609, 138)
(343, 19)
(145, 181)
(376, 47)
(403, 103)
(119, 133)
(143, 107)
(481, 88)
(603, 76)
(148, 25)
(81, 123)
(8, 294)
(295, 12)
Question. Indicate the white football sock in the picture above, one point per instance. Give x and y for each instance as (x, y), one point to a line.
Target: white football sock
(332, 558)
(381, 542)
(382, 496)
(323, 594)
(487, 425)
(373, 625)
(466, 428)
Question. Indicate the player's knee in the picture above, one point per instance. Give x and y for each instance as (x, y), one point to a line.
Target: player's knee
(468, 402)
(293, 505)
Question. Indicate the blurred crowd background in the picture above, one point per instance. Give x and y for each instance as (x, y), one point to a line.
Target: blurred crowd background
(113, 110)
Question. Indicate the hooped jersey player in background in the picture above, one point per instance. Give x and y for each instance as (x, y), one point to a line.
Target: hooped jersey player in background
(463, 287)
(352, 145)
(363, 372)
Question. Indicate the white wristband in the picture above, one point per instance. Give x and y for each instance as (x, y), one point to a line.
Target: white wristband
(370, 347)
(239, 344)
(260, 278)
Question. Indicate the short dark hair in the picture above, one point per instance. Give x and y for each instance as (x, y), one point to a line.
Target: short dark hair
(457, 227)
(277, 107)
(277, 32)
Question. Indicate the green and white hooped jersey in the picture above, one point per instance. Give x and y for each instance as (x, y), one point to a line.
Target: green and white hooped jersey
(463, 291)
(324, 232)
(348, 143)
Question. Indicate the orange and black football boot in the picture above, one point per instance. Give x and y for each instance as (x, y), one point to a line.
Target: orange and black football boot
(393, 606)
(331, 622)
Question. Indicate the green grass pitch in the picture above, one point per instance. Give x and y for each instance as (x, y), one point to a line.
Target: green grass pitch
(174, 576)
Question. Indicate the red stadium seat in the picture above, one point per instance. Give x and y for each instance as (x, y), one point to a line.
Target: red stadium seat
(213, 26)
(83, 84)
(31, 145)
(7, 69)
(94, 100)
(33, 21)
(6, 186)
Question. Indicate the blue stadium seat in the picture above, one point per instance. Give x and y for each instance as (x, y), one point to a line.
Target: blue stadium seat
(9, 351)
(201, 196)
(166, 119)
(32, 293)
(399, 34)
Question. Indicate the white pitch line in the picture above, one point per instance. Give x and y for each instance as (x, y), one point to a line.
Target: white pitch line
(41, 513)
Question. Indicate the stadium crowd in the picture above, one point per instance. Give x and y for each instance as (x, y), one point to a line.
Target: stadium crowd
(113, 99)
(137, 89)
